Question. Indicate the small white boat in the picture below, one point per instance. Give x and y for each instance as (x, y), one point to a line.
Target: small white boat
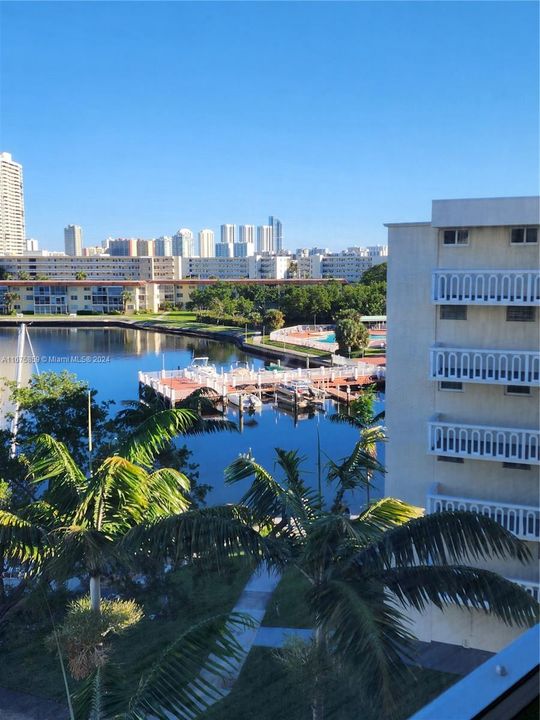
(239, 368)
(202, 365)
(300, 393)
(249, 401)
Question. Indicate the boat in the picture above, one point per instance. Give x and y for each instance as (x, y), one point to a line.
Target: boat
(202, 366)
(240, 368)
(300, 394)
(249, 401)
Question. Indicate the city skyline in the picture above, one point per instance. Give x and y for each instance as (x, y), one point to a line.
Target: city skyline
(390, 115)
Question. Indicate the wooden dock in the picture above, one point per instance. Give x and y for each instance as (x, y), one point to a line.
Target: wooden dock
(340, 383)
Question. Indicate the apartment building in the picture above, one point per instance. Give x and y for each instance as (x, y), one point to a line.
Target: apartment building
(463, 373)
(73, 240)
(12, 232)
(64, 297)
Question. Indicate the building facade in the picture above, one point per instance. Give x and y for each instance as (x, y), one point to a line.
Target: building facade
(264, 239)
(183, 244)
(73, 240)
(163, 246)
(122, 247)
(228, 233)
(463, 373)
(12, 228)
(277, 233)
(207, 243)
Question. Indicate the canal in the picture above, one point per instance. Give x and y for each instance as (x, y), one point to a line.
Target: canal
(109, 359)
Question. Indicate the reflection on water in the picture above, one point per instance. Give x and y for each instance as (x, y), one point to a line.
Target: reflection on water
(109, 359)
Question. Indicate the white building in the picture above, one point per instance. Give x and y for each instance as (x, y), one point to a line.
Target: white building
(12, 232)
(163, 246)
(228, 233)
(183, 244)
(207, 243)
(73, 240)
(463, 371)
(224, 250)
(277, 233)
(246, 234)
(264, 239)
(32, 245)
(223, 267)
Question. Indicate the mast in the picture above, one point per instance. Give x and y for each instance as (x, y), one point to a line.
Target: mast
(18, 381)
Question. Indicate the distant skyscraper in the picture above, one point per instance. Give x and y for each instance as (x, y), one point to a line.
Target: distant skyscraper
(246, 233)
(123, 247)
(12, 235)
(32, 245)
(225, 249)
(207, 243)
(277, 233)
(145, 248)
(163, 246)
(227, 233)
(73, 240)
(183, 244)
(264, 239)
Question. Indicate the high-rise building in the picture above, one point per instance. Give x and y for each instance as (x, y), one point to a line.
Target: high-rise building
(183, 244)
(225, 249)
(145, 248)
(207, 243)
(277, 233)
(228, 233)
(32, 245)
(73, 240)
(123, 247)
(246, 234)
(163, 246)
(243, 249)
(264, 239)
(12, 234)
(462, 383)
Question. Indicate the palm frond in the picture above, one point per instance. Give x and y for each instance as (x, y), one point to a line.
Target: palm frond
(167, 489)
(464, 586)
(445, 538)
(21, 540)
(51, 461)
(208, 534)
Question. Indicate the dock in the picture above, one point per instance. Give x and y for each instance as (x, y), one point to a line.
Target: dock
(341, 383)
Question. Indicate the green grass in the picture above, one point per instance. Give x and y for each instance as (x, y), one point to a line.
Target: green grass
(296, 348)
(265, 691)
(187, 597)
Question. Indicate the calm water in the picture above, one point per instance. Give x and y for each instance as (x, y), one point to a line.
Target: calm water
(109, 359)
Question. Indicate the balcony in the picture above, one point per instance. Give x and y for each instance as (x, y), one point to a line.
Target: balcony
(483, 442)
(486, 287)
(502, 367)
(521, 520)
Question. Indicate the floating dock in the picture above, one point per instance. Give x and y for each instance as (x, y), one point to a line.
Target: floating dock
(341, 383)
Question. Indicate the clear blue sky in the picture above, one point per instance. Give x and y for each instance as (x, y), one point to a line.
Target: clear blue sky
(136, 119)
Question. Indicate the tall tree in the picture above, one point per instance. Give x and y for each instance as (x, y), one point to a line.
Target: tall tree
(351, 333)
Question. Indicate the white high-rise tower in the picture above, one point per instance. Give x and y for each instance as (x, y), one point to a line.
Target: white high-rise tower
(73, 240)
(264, 239)
(12, 234)
(207, 243)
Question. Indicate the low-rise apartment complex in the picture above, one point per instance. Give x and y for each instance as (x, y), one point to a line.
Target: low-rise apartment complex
(463, 375)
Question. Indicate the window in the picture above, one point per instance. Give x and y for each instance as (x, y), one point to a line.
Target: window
(520, 314)
(450, 385)
(72, 297)
(516, 466)
(524, 236)
(453, 312)
(455, 237)
(517, 390)
(443, 458)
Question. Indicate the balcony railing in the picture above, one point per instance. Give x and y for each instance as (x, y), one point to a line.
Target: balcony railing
(481, 442)
(521, 520)
(505, 367)
(486, 287)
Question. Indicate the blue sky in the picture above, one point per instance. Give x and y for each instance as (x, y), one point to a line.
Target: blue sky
(136, 119)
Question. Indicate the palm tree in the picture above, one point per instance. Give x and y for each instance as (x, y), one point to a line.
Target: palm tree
(86, 521)
(127, 297)
(364, 572)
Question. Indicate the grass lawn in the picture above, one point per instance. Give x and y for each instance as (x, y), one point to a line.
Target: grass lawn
(186, 597)
(265, 691)
(297, 348)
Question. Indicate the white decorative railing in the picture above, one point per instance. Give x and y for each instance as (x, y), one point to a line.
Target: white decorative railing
(521, 520)
(533, 588)
(483, 442)
(507, 367)
(486, 287)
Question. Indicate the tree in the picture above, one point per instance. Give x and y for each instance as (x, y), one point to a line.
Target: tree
(365, 572)
(375, 274)
(23, 275)
(127, 297)
(274, 319)
(80, 275)
(10, 298)
(351, 334)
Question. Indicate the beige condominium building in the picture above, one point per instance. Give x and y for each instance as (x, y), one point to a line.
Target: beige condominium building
(463, 369)
(12, 233)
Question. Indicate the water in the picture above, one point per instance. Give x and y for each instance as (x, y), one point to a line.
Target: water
(109, 359)
(330, 338)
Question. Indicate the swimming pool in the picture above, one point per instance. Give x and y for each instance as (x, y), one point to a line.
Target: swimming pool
(330, 338)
